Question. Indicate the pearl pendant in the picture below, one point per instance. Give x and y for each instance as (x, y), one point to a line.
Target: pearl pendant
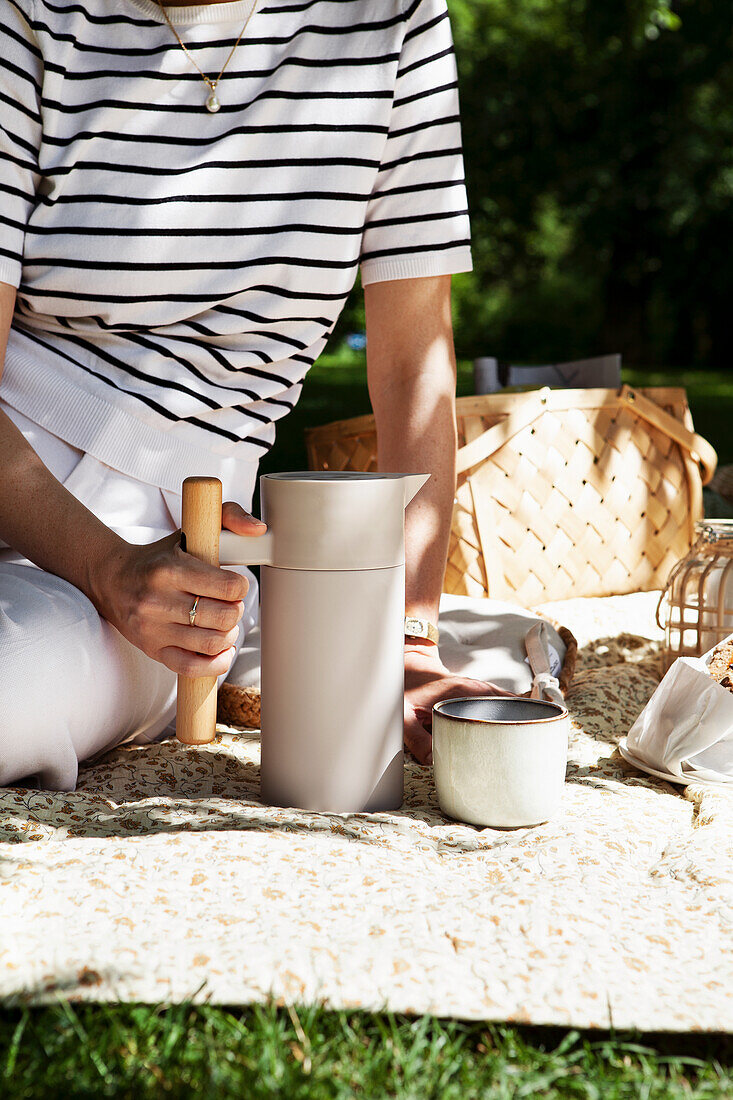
(212, 103)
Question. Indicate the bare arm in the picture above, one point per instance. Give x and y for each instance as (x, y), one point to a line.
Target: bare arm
(38, 516)
(144, 591)
(411, 370)
(411, 374)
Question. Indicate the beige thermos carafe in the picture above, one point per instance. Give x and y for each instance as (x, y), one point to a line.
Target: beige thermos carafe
(332, 586)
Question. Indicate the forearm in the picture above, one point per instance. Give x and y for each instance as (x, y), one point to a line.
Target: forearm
(418, 435)
(411, 372)
(39, 517)
(44, 521)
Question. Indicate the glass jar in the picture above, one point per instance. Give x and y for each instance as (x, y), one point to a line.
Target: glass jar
(696, 608)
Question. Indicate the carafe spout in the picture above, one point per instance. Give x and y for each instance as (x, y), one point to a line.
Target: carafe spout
(413, 484)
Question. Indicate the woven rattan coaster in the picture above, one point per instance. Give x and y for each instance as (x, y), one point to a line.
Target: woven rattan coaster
(240, 706)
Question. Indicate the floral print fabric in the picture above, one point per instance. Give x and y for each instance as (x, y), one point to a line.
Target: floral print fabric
(163, 877)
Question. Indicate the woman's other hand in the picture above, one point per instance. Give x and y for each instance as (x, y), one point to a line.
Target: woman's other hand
(147, 592)
(427, 681)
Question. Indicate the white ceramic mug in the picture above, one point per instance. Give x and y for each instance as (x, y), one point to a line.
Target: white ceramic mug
(499, 761)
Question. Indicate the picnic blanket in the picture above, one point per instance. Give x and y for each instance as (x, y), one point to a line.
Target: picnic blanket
(163, 877)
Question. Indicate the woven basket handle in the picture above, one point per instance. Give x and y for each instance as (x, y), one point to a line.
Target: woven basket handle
(701, 451)
(531, 405)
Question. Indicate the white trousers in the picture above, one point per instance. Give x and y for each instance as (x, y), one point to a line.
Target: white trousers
(72, 687)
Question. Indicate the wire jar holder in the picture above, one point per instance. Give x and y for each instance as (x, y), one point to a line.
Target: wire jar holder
(698, 596)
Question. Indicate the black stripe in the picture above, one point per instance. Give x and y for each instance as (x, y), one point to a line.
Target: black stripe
(133, 333)
(128, 200)
(159, 349)
(422, 61)
(187, 142)
(7, 155)
(146, 170)
(197, 326)
(232, 74)
(102, 378)
(126, 368)
(275, 10)
(218, 355)
(410, 11)
(451, 87)
(8, 188)
(227, 435)
(249, 316)
(19, 141)
(167, 353)
(12, 254)
(231, 108)
(279, 338)
(10, 33)
(228, 41)
(222, 231)
(427, 125)
(23, 74)
(411, 219)
(35, 116)
(14, 223)
(415, 32)
(427, 154)
(69, 9)
(409, 188)
(411, 250)
(75, 296)
(178, 142)
(194, 265)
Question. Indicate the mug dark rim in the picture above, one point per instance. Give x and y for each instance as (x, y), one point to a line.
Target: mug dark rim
(563, 711)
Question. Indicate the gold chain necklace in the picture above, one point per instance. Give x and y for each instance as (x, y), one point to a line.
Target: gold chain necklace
(212, 103)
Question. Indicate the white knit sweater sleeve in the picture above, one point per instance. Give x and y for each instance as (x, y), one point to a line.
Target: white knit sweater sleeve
(20, 130)
(417, 218)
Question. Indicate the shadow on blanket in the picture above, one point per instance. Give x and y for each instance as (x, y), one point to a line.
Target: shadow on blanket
(225, 799)
(173, 788)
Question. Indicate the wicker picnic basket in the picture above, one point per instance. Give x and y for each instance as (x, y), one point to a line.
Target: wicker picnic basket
(560, 493)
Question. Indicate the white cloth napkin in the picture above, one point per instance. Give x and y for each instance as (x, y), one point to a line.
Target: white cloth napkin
(685, 732)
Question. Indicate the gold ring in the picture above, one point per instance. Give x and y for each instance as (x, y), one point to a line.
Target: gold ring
(192, 612)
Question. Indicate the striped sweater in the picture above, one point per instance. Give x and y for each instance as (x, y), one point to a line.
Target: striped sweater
(179, 271)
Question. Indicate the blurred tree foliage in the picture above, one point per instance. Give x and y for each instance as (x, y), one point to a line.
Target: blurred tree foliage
(598, 141)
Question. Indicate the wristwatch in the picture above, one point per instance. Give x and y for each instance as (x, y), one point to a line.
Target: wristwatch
(421, 628)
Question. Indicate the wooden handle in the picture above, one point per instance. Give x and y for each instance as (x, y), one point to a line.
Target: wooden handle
(201, 525)
(702, 452)
(529, 406)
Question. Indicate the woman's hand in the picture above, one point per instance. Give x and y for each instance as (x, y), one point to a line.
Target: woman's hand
(427, 681)
(147, 592)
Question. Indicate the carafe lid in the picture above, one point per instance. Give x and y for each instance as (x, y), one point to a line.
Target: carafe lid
(328, 519)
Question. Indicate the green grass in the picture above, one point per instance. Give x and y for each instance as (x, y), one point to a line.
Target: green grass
(187, 1051)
